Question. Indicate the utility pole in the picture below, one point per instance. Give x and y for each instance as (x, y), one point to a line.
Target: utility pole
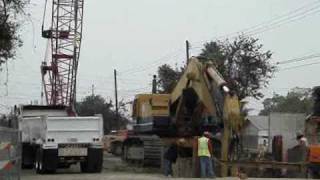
(92, 90)
(154, 84)
(116, 98)
(187, 51)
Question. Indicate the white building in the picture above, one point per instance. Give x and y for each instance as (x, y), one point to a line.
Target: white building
(255, 132)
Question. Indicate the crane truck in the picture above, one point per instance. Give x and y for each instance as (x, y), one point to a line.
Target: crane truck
(200, 101)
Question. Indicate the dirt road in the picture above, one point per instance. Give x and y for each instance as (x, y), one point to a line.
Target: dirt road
(113, 169)
(108, 175)
(63, 175)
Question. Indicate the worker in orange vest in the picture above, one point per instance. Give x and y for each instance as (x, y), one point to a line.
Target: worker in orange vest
(205, 150)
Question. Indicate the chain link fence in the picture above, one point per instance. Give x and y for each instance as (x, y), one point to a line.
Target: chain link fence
(10, 154)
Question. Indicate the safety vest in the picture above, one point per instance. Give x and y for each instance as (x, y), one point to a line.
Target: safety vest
(203, 148)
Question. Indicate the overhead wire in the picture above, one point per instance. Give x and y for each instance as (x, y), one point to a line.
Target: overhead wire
(275, 22)
(254, 30)
(284, 21)
(299, 66)
(291, 16)
(277, 17)
(158, 61)
(299, 59)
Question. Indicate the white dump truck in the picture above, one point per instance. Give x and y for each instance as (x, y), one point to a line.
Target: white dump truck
(51, 139)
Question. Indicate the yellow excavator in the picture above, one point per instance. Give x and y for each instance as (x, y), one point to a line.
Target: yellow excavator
(201, 101)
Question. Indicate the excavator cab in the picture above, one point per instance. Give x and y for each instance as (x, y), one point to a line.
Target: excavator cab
(151, 113)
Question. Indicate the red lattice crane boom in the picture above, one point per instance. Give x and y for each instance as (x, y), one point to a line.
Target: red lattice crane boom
(59, 69)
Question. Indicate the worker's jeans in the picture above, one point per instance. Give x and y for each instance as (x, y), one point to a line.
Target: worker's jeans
(206, 168)
(167, 167)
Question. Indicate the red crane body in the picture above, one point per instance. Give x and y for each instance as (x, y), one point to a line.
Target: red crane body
(59, 69)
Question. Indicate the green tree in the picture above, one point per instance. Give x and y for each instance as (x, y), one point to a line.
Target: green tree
(298, 100)
(96, 104)
(9, 38)
(168, 78)
(243, 63)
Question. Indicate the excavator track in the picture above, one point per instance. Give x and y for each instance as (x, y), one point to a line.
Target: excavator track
(147, 150)
(152, 151)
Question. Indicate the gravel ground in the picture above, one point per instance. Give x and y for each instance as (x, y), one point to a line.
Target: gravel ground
(63, 175)
(107, 175)
(113, 169)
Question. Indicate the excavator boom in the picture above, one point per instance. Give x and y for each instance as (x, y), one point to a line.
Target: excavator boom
(200, 94)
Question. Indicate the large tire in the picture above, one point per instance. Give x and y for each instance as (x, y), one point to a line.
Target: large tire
(46, 161)
(39, 166)
(94, 160)
(84, 166)
(28, 156)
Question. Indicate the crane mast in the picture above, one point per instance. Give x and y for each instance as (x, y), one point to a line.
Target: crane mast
(59, 68)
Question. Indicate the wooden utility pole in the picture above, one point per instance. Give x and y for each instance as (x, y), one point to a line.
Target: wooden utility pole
(92, 90)
(116, 98)
(187, 51)
(154, 84)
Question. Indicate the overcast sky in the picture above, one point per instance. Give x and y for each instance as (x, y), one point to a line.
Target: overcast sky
(136, 36)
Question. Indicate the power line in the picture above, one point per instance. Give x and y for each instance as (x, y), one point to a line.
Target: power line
(299, 59)
(283, 21)
(289, 17)
(275, 22)
(299, 66)
(160, 60)
(278, 17)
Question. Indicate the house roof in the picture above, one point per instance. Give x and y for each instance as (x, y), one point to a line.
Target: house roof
(261, 122)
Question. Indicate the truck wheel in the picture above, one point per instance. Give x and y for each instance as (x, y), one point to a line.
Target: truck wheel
(90, 167)
(84, 166)
(28, 156)
(93, 163)
(45, 161)
(40, 168)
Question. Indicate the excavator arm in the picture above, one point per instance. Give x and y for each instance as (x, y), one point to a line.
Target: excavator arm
(201, 92)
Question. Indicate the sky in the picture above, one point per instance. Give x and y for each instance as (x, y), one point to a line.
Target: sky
(135, 37)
